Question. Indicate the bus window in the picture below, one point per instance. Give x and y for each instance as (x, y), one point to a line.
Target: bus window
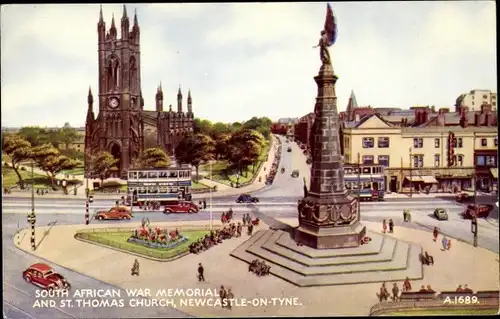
(173, 190)
(152, 174)
(348, 185)
(163, 189)
(173, 174)
(354, 186)
(141, 190)
(130, 175)
(367, 170)
(367, 185)
(163, 174)
(153, 190)
(348, 171)
(143, 175)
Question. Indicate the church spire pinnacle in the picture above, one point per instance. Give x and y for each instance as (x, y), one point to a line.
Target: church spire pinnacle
(125, 12)
(101, 18)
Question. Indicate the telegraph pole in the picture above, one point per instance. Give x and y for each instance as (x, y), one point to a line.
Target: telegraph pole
(359, 186)
(211, 213)
(32, 216)
(87, 191)
(411, 176)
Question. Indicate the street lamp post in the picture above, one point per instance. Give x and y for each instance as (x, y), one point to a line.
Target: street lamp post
(411, 176)
(359, 187)
(474, 229)
(32, 216)
(211, 213)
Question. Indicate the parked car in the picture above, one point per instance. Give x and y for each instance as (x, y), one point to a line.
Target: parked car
(45, 277)
(309, 161)
(295, 173)
(181, 207)
(289, 149)
(441, 214)
(465, 197)
(478, 210)
(118, 212)
(246, 198)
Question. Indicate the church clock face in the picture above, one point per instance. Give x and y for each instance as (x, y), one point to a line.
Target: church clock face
(113, 102)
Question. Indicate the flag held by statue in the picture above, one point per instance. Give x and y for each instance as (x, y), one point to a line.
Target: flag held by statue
(330, 25)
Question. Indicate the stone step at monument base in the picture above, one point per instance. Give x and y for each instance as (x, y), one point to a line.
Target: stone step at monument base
(404, 262)
(381, 248)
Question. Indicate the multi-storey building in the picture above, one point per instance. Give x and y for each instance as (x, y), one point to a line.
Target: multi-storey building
(475, 98)
(122, 125)
(442, 152)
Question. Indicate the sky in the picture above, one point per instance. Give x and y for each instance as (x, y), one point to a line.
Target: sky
(250, 59)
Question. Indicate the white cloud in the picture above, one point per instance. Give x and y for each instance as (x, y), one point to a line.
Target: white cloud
(246, 59)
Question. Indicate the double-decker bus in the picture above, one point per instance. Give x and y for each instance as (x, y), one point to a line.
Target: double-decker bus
(369, 179)
(159, 184)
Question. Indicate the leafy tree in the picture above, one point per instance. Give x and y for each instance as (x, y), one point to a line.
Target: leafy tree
(35, 135)
(221, 145)
(49, 159)
(68, 135)
(102, 164)
(154, 158)
(195, 149)
(19, 150)
(219, 128)
(245, 147)
(202, 126)
(236, 126)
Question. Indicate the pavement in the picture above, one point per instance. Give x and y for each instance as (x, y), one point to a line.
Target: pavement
(221, 269)
(274, 204)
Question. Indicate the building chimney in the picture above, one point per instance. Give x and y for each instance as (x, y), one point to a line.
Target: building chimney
(464, 121)
(444, 110)
(440, 118)
(357, 118)
(477, 119)
(425, 116)
(487, 118)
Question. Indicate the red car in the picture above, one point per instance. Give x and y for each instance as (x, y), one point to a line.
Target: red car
(118, 212)
(181, 207)
(480, 211)
(43, 276)
(464, 197)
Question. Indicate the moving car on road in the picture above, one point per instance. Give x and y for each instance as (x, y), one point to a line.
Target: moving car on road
(181, 207)
(246, 198)
(477, 210)
(118, 212)
(295, 173)
(45, 277)
(441, 214)
(465, 197)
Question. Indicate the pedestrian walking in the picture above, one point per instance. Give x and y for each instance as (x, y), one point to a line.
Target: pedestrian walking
(229, 298)
(444, 242)
(135, 268)
(405, 214)
(395, 292)
(204, 204)
(391, 226)
(244, 219)
(384, 226)
(448, 245)
(222, 295)
(201, 270)
(435, 234)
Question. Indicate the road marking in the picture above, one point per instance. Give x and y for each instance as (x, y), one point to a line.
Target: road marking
(27, 294)
(11, 305)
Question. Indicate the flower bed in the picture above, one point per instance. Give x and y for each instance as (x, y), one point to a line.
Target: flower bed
(158, 244)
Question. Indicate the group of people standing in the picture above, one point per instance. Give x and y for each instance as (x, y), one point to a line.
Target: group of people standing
(445, 242)
(391, 226)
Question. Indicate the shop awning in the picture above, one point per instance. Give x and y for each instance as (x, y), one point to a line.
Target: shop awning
(414, 178)
(494, 172)
(429, 179)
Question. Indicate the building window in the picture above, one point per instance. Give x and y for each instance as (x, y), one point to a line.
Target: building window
(485, 97)
(437, 142)
(437, 160)
(473, 97)
(383, 160)
(493, 103)
(473, 102)
(480, 160)
(495, 141)
(484, 142)
(383, 142)
(367, 159)
(490, 161)
(368, 142)
(458, 142)
(459, 160)
(418, 160)
(418, 142)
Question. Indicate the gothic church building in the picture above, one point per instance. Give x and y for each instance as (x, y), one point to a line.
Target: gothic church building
(122, 123)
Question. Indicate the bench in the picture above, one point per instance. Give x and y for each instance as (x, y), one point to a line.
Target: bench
(409, 295)
(453, 294)
(487, 294)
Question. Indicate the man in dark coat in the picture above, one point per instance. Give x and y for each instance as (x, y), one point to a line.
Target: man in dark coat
(201, 271)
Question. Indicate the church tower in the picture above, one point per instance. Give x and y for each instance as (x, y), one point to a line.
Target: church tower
(120, 100)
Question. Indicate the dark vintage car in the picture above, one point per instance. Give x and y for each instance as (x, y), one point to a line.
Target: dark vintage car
(465, 197)
(295, 173)
(441, 214)
(477, 210)
(289, 149)
(246, 198)
(114, 213)
(181, 207)
(45, 277)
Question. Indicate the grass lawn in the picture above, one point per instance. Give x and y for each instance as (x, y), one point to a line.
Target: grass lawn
(197, 185)
(119, 240)
(442, 312)
(75, 171)
(10, 178)
(223, 174)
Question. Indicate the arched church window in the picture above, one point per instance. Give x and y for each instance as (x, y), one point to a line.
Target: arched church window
(133, 74)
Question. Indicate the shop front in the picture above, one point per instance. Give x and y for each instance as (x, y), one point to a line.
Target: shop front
(439, 180)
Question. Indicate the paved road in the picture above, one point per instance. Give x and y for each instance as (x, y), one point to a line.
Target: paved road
(19, 296)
